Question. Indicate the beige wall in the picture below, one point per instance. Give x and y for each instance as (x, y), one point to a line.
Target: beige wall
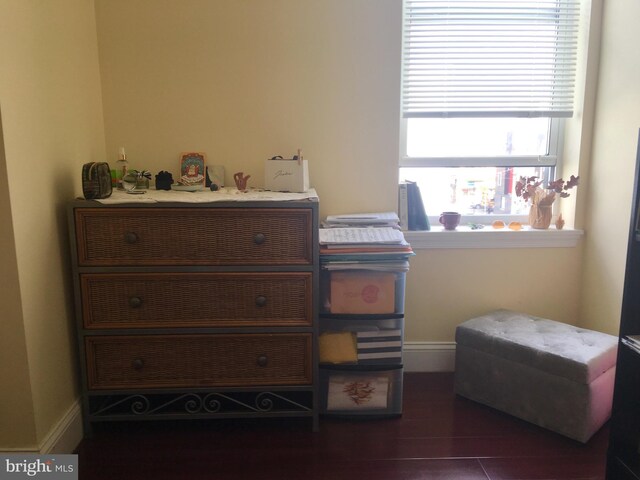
(52, 124)
(245, 80)
(16, 405)
(612, 166)
(446, 287)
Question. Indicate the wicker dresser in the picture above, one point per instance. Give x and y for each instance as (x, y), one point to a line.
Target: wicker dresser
(203, 310)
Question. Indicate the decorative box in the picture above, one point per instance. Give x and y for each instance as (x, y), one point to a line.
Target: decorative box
(286, 175)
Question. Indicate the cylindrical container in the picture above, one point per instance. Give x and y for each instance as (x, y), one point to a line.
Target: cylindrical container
(123, 168)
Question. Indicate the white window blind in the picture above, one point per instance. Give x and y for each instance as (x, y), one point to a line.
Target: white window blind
(489, 58)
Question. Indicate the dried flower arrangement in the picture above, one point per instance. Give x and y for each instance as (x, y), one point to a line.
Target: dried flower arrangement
(530, 188)
(359, 392)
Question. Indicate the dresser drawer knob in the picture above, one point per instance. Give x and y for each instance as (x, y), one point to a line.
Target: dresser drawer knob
(135, 302)
(263, 360)
(131, 237)
(259, 238)
(261, 301)
(137, 364)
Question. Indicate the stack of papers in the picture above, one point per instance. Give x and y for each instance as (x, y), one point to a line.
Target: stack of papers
(364, 247)
(372, 240)
(361, 237)
(384, 219)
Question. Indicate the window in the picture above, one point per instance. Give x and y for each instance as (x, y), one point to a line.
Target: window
(486, 85)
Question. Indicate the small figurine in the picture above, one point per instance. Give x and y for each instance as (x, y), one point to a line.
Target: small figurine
(241, 181)
(164, 180)
(560, 222)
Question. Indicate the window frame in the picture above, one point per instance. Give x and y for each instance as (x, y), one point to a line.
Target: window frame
(553, 158)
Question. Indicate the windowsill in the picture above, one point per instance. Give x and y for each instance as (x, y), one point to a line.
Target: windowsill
(488, 237)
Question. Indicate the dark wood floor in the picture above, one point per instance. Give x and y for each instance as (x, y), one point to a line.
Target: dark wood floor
(439, 436)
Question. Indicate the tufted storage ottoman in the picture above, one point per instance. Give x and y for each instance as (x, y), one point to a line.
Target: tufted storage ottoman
(552, 374)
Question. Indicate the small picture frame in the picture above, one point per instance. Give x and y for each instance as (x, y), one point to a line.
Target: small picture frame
(192, 169)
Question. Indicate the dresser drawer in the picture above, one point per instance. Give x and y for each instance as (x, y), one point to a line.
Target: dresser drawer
(174, 300)
(194, 236)
(165, 361)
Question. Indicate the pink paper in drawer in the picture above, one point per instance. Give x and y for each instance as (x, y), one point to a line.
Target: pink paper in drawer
(362, 292)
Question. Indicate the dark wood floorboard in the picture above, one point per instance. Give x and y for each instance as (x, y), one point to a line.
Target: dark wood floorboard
(439, 436)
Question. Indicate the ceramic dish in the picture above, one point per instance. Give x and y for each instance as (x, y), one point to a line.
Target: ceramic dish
(186, 188)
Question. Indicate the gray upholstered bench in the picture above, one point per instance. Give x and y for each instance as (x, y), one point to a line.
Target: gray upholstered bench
(552, 374)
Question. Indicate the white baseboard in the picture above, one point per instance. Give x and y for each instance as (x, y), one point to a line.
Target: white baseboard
(66, 435)
(429, 356)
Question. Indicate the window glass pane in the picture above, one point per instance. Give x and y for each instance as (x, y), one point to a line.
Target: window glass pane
(477, 137)
(473, 191)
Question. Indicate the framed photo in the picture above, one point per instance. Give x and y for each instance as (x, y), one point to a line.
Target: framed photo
(192, 172)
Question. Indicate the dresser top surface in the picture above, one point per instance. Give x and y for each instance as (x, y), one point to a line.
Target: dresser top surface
(224, 197)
